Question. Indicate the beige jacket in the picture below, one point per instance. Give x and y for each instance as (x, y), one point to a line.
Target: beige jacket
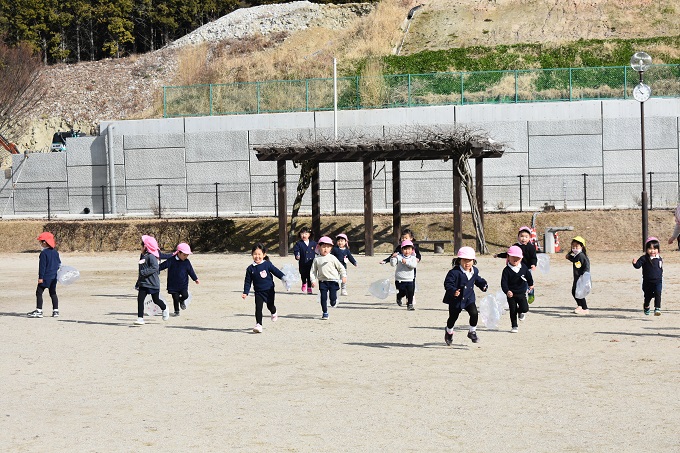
(326, 268)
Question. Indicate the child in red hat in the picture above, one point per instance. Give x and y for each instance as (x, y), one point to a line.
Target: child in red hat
(47, 275)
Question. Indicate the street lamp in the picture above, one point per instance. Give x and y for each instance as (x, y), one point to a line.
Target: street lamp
(640, 62)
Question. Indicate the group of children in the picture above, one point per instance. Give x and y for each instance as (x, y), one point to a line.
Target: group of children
(324, 264)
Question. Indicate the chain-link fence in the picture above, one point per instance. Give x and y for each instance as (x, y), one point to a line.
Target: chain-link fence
(407, 90)
(515, 193)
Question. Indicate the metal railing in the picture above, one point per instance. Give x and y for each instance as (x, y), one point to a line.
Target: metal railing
(411, 90)
(579, 191)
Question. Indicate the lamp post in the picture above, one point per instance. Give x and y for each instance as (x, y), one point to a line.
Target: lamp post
(640, 62)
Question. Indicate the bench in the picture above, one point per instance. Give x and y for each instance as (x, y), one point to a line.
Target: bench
(438, 244)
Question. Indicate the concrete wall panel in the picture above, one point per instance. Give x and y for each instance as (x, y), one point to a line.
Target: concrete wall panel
(568, 127)
(41, 168)
(217, 146)
(566, 151)
(154, 163)
(154, 141)
(86, 151)
(624, 133)
(142, 195)
(222, 172)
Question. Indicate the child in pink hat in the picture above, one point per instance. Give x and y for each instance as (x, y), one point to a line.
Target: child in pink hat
(459, 285)
(148, 281)
(405, 263)
(327, 270)
(342, 252)
(516, 281)
(47, 275)
(179, 270)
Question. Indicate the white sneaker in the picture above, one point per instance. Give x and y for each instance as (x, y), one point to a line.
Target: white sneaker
(343, 292)
(257, 328)
(514, 330)
(35, 314)
(140, 321)
(166, 314)
(275, 316)
(522, 316)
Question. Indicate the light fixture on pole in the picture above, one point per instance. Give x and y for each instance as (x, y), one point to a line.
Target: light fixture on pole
(640, 62)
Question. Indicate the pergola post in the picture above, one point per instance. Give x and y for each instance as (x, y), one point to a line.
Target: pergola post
(316, 202)
(283, 207)
(368, 207)
(396, 200)
(479, 191)
(457, 212)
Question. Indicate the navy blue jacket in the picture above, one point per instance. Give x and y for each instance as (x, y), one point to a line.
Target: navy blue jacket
(148, 273)
(261, 277)
(305, 253)
(529, 257)
(340, 254)
(652, 269)
(517, 282)
(581, 264)
(178, 273)
(48, 266)
(457, 280)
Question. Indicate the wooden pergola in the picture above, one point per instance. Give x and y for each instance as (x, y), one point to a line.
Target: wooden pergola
(432, 146)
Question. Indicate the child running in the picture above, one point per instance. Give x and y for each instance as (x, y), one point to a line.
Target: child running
(529, 258)
(48, 266)
(260, 275)
(148, 281)
(516, 280)
(304, 251)
(581, 265)
(652, 275)
(327, 270)
(404, 274)
(460, 292)
(342, 252)
(179, 270)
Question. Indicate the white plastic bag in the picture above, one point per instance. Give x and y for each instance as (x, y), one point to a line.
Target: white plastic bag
(380, 288)
(490, 311)
(187, 301)
(543, 263)
(290, 276)
(583, 286)
(150, 308)
(502, 300)
(67, 275)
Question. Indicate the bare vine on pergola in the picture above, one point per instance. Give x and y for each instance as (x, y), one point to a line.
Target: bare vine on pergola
(457, 143)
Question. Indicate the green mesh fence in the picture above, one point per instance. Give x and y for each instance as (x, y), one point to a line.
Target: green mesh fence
(406, 90)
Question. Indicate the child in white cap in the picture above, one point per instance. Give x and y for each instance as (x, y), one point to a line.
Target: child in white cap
(404, 274)
(460, 285)
(179, 270)
(516, 280)
(327, 270)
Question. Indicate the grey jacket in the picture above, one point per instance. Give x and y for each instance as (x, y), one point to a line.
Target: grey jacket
(404, 272)
(148, 273)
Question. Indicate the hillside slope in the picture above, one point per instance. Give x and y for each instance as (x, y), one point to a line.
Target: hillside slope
(84, 94)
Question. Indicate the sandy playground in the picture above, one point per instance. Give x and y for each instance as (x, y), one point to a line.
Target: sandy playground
(374, 377)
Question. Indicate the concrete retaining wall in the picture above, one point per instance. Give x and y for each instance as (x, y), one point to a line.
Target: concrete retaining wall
(550, 145)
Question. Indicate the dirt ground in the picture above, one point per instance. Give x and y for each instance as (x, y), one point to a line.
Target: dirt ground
(374, 377)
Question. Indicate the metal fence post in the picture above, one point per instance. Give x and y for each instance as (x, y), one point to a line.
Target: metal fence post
(462, 89)
(276, 196)
(211, 99)
(103, 202)
(356, 78)
(165, 102)
(217, 201)
(585, 193)
(49, 213)
(159, 200)
(257, 88)
(516, 88)
(408, 101)
(306, 95)
(520, 192)
(570, 85)
(650, 189)
(335, 198)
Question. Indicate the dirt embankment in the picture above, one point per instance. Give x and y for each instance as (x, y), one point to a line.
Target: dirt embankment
(604, 231)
